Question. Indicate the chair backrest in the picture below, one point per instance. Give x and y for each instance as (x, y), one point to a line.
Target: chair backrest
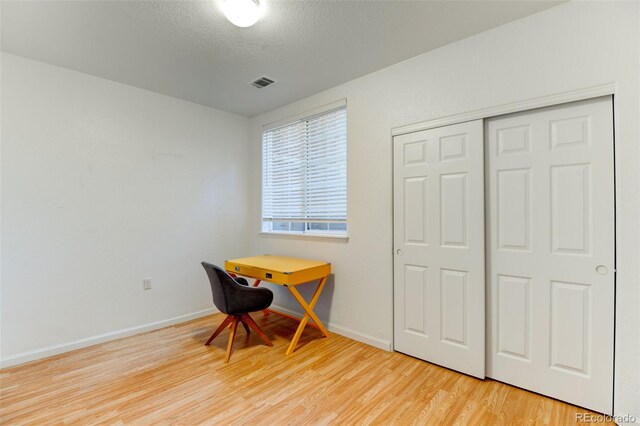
(222, 286)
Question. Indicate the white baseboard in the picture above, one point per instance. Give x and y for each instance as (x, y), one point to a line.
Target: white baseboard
(346, 332)
(100, 338)
(48, 351)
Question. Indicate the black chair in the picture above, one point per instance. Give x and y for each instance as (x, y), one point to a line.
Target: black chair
(236, 299)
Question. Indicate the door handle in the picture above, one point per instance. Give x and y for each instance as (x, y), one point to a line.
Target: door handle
(602, 270)
(399, 252)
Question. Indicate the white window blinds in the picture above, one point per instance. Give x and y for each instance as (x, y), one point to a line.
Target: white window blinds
(304, 176)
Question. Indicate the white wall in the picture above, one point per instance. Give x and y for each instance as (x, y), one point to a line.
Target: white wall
(105, 184)
(569, 47)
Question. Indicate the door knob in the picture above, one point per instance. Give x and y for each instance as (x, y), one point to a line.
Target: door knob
(399, 252)
(602, 270)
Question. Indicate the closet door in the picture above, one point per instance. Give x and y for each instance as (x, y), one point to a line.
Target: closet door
(551, 252)
(439, 305)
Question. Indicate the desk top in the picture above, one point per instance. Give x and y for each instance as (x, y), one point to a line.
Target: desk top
(279, 263)
(279, 269)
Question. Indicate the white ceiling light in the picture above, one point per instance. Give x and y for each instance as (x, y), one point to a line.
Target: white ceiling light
(242, 13)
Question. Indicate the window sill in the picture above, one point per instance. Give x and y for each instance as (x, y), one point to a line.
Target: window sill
(306, 236)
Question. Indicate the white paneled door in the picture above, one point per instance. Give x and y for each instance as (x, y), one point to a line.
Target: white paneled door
(439, 281)
(550, 248)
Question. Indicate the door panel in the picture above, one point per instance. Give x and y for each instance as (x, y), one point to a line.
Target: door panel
(415, 299)
(453, 215)
(453, 288)
(415, 210)
(550, 251)
(570, 316)
(514, 202)
(439, 246)
(513, 316)
(570, 222)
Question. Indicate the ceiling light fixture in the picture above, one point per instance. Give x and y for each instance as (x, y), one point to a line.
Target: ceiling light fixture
(242, 13)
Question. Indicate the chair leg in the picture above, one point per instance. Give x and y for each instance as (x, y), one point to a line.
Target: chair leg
(232, 335)
(244, 324)
(246, 318)
(226, 321)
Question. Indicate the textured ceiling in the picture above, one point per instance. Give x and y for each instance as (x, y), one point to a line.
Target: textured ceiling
(187, 49)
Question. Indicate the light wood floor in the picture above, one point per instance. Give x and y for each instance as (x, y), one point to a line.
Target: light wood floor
(168, 377)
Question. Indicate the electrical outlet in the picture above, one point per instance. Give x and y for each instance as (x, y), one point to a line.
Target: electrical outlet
(146, 284)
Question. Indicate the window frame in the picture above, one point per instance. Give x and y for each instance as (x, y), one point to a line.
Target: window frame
(306, 232)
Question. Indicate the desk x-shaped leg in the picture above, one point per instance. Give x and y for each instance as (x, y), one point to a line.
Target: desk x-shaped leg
(308, 309)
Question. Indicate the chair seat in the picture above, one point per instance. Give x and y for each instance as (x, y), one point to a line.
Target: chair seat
(256, 299)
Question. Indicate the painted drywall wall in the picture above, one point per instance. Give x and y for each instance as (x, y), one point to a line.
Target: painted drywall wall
(103, 185)
(569, 47)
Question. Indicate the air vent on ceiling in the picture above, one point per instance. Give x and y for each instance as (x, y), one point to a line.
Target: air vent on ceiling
(262, 82)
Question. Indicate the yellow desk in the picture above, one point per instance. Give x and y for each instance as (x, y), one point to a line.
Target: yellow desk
(288, 272)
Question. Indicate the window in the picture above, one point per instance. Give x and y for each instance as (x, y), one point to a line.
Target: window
(304, 175)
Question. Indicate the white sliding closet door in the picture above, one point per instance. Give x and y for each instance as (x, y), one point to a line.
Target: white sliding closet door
(551, 251)
(439, 305)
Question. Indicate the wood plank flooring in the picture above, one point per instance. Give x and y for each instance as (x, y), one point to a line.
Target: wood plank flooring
(168, 377)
